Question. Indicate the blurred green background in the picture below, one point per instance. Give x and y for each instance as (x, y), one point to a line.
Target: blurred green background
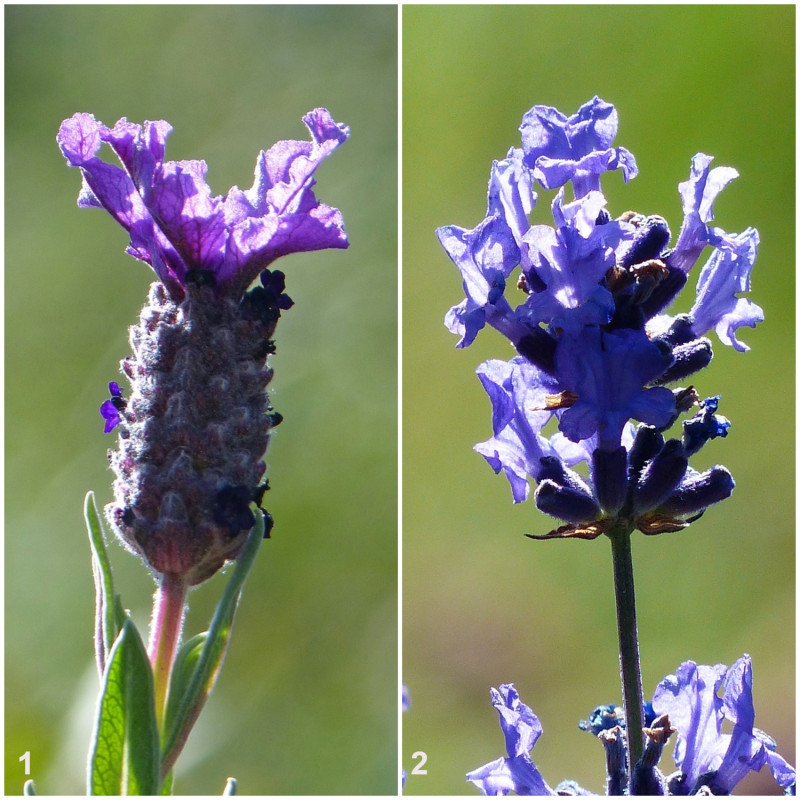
(482, 604)
(307, 701)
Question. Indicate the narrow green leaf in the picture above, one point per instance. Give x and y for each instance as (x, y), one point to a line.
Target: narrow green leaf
(124, 758)
(119, 614)
(207, 664)
(106, 628)
(182, 671)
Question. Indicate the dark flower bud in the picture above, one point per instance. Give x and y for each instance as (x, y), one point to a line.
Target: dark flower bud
(689, 358)
(613, 740)
(660, 477)
(539, 347)
(231, 509)
(704, 425)
(663, 294)
(680, 331)
(698, 491)
(647, 442)
(647, 780)
(567, 503)
(609, 471)
(603, 718)
(651, 237)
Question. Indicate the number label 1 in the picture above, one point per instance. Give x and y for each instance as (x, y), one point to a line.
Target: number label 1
(423, 757)
(26, 757)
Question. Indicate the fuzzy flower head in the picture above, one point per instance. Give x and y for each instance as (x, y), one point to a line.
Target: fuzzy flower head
(597, 349)
(175, 223)
(192, 433)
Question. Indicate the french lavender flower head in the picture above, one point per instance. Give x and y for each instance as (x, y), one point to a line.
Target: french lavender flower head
(595, 347)
(195, 428)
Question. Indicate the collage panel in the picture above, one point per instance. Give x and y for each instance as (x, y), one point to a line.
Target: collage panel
(573, 115)
(272, 319)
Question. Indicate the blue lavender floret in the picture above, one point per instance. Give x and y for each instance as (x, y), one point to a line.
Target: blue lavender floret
(596, 348)
(687, 704)
(516, 772)
(704, 755)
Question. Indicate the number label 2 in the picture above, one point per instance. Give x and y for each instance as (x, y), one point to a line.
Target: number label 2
(423, 758)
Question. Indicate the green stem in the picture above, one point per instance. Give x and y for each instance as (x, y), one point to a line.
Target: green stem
(628, 643)
(169, 607)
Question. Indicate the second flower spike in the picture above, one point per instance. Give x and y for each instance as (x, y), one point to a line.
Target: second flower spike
(597, 350)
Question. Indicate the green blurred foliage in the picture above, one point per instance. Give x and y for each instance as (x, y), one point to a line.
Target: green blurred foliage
(483, 605)
(307, 700)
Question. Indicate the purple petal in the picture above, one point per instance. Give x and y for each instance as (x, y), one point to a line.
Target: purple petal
(506, 775)
(80, 138)
(511, 193)
(111, 415)
(190, 218)
(698, 195)
(140, 148)
(177, 225)
(690, 699)
(485, 256)
(515, 388)
(608, 372)
(560, 148)
(725, 274)
(521, 729)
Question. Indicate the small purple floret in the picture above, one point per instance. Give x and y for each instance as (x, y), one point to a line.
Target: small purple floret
(110, 409)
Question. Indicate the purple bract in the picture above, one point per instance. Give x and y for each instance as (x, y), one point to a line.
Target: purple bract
(178, 227)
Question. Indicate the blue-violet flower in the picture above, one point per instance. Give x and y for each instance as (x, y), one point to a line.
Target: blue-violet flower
(596, 348)
(194, 430)
(521, 729)
(687, 703)
(704, 755)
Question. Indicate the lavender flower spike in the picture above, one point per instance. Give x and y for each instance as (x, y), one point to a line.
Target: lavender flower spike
(705, 756)
(591, 324)
(194, 430)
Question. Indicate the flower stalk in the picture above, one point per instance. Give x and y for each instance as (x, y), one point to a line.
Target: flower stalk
(630, 670)
(169, 610)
